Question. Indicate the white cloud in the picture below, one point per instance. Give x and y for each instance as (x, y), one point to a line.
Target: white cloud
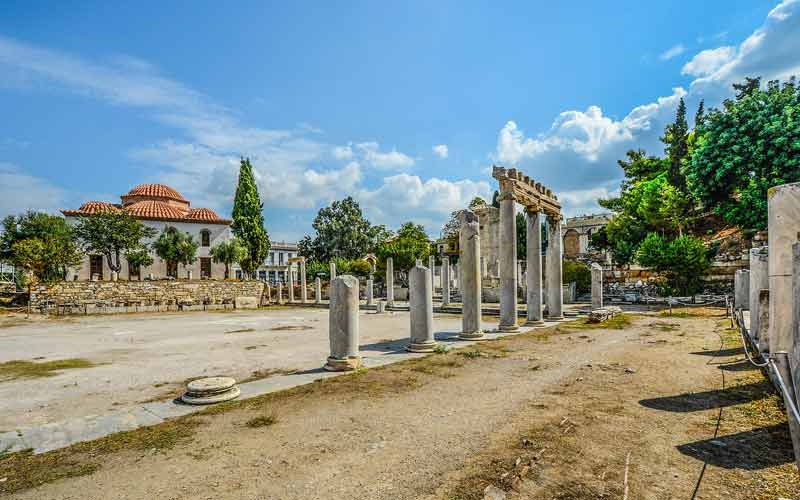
(21, 191)
(441, 151)
(584, 201)
(343, 152)
(708, 61)
(672, 52)
(391, 160)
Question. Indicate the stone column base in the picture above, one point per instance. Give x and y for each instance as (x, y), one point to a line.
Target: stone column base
(534, 322)
(508, 328)
(471, 336)
(343, 365)
(555, 318)
(422, 347)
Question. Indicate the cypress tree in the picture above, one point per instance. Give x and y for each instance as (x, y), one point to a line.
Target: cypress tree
(248, 220)
(677, 149)
(700, 115)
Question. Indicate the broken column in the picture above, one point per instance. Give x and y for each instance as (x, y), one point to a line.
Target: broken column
(333, 271)
(759, 280)
(389, 282)
(368, 292)
(445, 281)
(534, 273)
(762, 334)
(318, 290)
(597, 286)
(303, 291)
(432, 267)
(290, 285)
(280, 292)
(469, 262)
(420, 299)
(508, 262)
(555, 296)
(741, 289)
(343, 324)
(783, 206)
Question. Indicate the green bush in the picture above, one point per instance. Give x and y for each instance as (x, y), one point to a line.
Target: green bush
(579, 273)
(681, 261)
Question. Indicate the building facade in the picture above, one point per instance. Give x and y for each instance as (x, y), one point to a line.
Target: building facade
(276, 266)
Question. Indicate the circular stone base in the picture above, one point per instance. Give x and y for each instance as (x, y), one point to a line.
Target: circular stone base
(343, 365)
(534, 323)
(555, 318)
(210, 385)
(471, 336)
(422, 347)
(232, 393)
(508, 328)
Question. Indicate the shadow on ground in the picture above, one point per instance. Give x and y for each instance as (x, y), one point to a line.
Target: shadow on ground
(706, 400)
(732, 351)
(750, 450)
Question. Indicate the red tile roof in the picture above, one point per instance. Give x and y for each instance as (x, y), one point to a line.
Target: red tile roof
(203, 214)
(156, 191)
(93, 207)
(154, 209)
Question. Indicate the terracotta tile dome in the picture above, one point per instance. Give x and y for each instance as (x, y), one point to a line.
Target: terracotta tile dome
(93, 207)
(203, 214)
(155, 191)
(154, 209)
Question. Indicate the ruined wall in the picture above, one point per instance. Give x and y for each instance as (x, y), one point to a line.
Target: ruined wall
(144, 293)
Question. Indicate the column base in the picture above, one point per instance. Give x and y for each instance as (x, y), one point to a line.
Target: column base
(534, 322)
(508, 328)
(555, 318)
(422, 346)
(471, 335)
(343, 365)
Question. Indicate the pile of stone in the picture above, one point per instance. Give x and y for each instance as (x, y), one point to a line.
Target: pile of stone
(603, 314)
(206, 391)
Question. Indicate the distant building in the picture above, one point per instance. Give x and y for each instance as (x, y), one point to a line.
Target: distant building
(577, 233)
(276, 266)
(158, 206)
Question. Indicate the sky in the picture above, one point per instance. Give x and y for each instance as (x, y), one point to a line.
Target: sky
(402, 105)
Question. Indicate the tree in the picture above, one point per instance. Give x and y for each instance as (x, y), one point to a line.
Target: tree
(579, 273)
(175, 247)
(43, 245)
(410, 243)
(744, 149)
(677, 148)
(111, 234)
(682, 261)
(342, 232)
(228, 252)
(248, 220)
(137, 258)
(701, 114)
(477, 202)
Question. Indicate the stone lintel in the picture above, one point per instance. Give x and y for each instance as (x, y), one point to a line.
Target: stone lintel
(525, 190)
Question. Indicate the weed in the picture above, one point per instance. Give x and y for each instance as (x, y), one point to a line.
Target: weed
(261, 421)
(18, 369)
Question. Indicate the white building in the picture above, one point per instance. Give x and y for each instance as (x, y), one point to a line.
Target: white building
(158, 206)
(276, 265)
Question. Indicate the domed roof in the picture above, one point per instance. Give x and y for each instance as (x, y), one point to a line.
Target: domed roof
(92, 207)
(154, 209)
(204, 214)
(155, 191)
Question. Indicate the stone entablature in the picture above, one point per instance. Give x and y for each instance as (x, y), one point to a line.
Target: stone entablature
(84, 295)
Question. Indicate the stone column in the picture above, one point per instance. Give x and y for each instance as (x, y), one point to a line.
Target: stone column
(445, 281)
(333, 271)
(268, 292)
(508, 263)
(794, 353)
(303, 291)
(783, 205)
(389, 282)
(469, 262)
(759, 280)
(343, 325)
(534, 273)
(369, 291)
(432, 267)
(762, 334)
(484, 268)
(420, 297)
(280, 292)
(741, 289)
(597, 286)
(290, 284)
(318, 290)
(555, 296)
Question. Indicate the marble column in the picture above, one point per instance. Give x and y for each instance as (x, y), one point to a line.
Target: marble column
(432, 267)
(445, 281)
(303, 291)
(783, 207)
(389, 282)
(280, 292)
(290, 284)
(759, 280)
(794, 353)
(420, 297)
(508, 263)
(741, 289)
(369, 292)
(333, 271)
(318, 290)
(555, 297)
(762, 334)
(534, 273)
(484, 268)
(469, 262)
(268, 291)
(597, 286)
(343, 325)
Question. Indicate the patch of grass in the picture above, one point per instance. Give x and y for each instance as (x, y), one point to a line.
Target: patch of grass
(471, 354)
(25, 470)
(261, 421)
(290, 328)
(241, 330)
(618, 322)
(664, 327)
(19, 369)
(441, 349)
(693, 312)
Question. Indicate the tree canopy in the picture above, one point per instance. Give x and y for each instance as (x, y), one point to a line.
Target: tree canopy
(248, 220)
(410, 243)
(228, 252)
(176, 247)
(111, 234)
(342, 231)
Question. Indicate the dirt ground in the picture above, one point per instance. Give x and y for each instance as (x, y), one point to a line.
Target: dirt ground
(551, 414)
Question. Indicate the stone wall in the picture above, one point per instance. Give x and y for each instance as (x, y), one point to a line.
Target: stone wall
(84, 295)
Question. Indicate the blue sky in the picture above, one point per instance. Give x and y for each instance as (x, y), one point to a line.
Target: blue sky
(402, 105)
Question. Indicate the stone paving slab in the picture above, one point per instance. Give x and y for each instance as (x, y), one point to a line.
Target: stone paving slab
(58, 435)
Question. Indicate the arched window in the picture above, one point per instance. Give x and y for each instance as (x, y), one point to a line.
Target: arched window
(205, 238)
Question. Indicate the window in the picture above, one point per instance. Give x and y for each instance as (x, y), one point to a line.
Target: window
(262, 275)
(280, 258)
(205, 238)
(272, 258)
(205, 267)
(96, 266)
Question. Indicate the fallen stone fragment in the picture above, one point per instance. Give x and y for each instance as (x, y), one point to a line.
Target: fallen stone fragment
(492, 492)
(210, 390)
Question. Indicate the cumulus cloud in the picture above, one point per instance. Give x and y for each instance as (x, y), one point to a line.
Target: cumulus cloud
(708, 61)
(343, 152)
(389, 160)
(21, 191)
(672, 52)
(441, 151)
